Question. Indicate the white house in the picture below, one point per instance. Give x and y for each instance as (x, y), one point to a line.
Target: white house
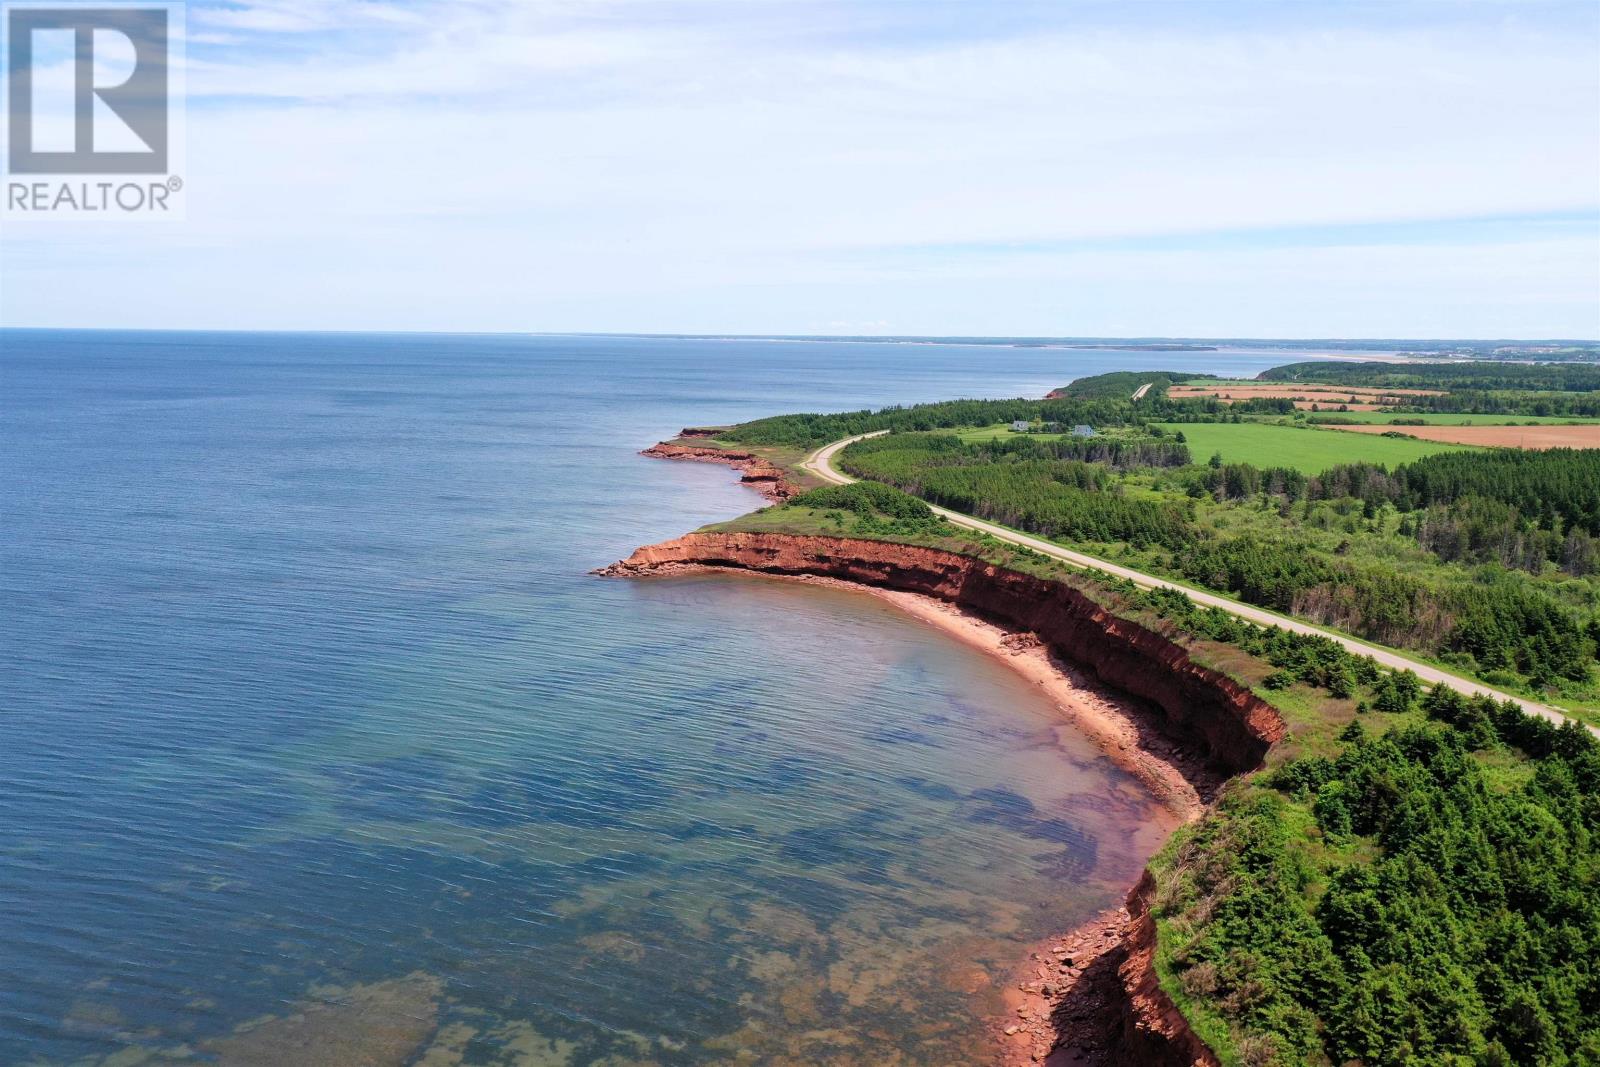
(1020, 426)
(1081, 430)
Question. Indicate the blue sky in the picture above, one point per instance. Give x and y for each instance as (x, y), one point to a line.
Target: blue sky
(804, 166)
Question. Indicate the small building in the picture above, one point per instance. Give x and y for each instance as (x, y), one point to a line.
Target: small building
(1021, 426)
(1081, 430)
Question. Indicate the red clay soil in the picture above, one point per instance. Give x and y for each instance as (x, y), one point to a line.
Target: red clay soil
(1203, 708)
(754, 471)
(1092, 999)
(1091, 996)
(1529, 437)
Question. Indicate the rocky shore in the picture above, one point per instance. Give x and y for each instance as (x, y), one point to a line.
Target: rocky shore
(754, 471)
(1090, 996)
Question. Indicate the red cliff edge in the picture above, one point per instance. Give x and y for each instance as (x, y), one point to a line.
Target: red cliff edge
(1153, 1029)
(754, 471)
(1200, 707)
(1220, 718)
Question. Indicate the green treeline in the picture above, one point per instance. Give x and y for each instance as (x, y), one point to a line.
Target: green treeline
(1405, 902)
(1106, 400)
(1541, 389)
(1062, 498)
(1502, 623)
(1307, 659)
(1552, 377)
(1556, 489)
(1489, 560)
(1570, 405)
(1483, 614)
(1475, 530)
(1124, 383)
(867, 498)
(874, 508)
(1121, 453)
(810, 430)
(1424, 889)
(1268, 572)
(1517, 509)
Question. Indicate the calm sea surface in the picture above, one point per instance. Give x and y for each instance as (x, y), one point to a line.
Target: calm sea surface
(319, 746)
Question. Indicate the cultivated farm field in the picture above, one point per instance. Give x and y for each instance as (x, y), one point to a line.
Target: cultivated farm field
(1302, 448)
(1386, 418)
(1536, 437)
(1319, 394)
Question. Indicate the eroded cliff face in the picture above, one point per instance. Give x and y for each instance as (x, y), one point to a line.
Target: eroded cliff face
(1153, 1030)
(754, 471)
(1197, 706)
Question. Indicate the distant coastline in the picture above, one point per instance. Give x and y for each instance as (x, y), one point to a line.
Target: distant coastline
(1386, 349)
(1148, 348)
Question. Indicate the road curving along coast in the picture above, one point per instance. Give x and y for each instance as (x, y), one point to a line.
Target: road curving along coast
(1091, 995)
(820, 463)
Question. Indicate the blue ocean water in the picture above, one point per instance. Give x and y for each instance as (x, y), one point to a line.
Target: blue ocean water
(320, 746)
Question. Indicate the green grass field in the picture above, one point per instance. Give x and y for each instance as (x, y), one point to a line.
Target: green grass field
(1000, 431)
(1305, 449)
(1379, 418)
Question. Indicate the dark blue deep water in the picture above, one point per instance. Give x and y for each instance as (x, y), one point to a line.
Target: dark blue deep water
(318, 744)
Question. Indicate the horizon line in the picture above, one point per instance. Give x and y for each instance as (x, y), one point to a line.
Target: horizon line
(868, 338)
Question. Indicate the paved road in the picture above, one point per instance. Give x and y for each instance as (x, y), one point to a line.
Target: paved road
(820, 463)
(1138, 394)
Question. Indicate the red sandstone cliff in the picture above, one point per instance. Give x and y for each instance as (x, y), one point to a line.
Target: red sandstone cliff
(1103, 1003)
(1232, 726)
(1154, 1031)
(754, 471)
(1202, 707)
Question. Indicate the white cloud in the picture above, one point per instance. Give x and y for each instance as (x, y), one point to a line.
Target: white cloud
(310, 16)
(534, 165)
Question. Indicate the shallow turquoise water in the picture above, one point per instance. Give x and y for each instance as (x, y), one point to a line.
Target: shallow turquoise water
(319, 744)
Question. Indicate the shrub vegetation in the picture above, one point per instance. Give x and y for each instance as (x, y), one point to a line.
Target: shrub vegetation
(1402, 902)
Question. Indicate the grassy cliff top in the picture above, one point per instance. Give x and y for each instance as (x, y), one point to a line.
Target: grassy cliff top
(1414, 879)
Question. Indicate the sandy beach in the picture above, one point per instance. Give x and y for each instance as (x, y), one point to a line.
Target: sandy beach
(1119, 725)
(1059, 1000)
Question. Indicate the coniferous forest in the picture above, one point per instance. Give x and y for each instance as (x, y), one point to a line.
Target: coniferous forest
(1485, 558)
(1415, 879)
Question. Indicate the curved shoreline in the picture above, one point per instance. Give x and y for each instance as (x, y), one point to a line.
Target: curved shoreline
(1090, 996)
(754, 471)
(1182, 785)
(1194, 707)
(1060, 998)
